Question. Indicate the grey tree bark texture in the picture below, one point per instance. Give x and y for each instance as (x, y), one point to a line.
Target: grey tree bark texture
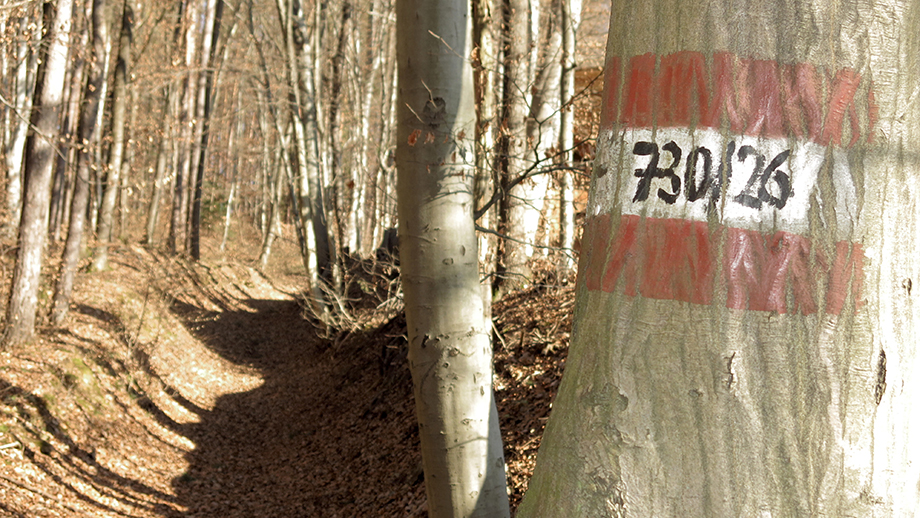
(87, 132)
(119, 120)
(450, 353)
(745, 338)
(39, 159)
(15, 150)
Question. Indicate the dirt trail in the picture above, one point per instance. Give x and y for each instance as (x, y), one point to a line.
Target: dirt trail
(200, 390)
(219, 401)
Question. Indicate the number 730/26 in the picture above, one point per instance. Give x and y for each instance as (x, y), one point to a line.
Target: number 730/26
(697, 179)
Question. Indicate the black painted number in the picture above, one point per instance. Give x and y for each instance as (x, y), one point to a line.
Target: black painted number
(755, 193)
(766, 184)
(652, 171)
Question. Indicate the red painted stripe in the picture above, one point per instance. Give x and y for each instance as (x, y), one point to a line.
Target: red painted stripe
(675, 259)
(760, 98)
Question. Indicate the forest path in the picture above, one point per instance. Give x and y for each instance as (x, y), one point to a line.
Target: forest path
(289, 424)
(217, 399)
(180, 390)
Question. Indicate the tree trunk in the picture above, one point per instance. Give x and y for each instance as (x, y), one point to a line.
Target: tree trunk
(178, 230)
(513, 265)
(169, 130)
(130, 146)
(449, 350)
(87, 134)
(215, 11)
(22, 106)
(39, 160)
(486, 28)
(61, 171)
(745, 333)
(119, 117)
(301, 39)
(570, 18)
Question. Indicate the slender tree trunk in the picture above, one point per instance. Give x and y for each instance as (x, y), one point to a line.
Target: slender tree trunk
(178, 230)
(119, 117)
(25, 79)
(39, 160)
(301, 66)
(87, 133)
(513, 265)
(208, 51)
(160, 177)
(746, 335)
(530, 201)
(274, 219)
(124, 194)
(235, 132)
(61, 174)
(169, 130)
(449, 351)
(98, 146)
(488, 81)
(570, 18)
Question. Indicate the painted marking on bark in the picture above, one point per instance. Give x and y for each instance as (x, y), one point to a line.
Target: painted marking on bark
(716, 165)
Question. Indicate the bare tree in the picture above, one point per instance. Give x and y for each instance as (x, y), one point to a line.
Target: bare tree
(39, 161)
(119, 121)
(449, 340)
(21, 107)
(513, 268)
(87, 134)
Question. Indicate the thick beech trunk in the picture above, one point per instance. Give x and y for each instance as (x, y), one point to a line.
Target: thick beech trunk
(745, 332)
(450, 354)
(39, 161)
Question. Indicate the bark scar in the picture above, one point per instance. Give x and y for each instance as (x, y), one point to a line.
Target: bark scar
(729, 373)
(881, 373)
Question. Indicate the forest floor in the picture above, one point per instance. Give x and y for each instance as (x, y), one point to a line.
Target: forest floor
(179, 389)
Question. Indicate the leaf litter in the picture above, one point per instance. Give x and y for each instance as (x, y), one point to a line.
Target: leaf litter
(177, 389)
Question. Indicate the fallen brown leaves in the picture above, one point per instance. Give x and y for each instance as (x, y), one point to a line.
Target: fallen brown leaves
(189, 390)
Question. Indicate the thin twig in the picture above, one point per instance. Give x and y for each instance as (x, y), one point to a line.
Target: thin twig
(509, 238)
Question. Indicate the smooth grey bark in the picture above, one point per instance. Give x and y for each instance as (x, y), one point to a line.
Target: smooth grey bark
(301, 38)
(450, 354)
(781, 383)
(513, 267)
(39, 161)
(87, 134)
(22, 106)
(119, 121)
(570, 17)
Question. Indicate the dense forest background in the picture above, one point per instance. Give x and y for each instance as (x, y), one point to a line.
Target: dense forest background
(197, 237)
(157, 122)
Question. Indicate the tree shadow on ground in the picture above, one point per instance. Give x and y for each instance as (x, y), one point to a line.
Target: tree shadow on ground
(77, 461)
(328, 433)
